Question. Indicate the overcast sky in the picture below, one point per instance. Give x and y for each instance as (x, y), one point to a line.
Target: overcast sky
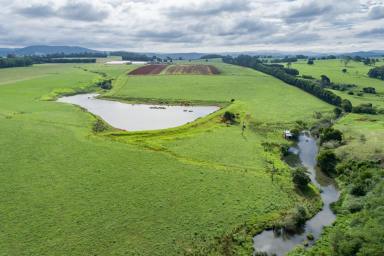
(195, 25)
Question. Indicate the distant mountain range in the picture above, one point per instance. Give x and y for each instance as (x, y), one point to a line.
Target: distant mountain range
(45, 49)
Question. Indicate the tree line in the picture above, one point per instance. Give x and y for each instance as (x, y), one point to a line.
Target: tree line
(377, 73)
(11, 62)
(131, 56)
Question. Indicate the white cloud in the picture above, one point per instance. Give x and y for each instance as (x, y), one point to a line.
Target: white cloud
(194, 25)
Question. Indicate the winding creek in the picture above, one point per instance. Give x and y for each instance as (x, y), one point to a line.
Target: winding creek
(279, 244)
(138, 117)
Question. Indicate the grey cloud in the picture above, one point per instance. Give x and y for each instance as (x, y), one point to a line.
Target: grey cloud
(38, 10)
(376, 12)
(208, 8)
(373, 33)
(167, 36)
(71, 10)
(307, 11)
(82, 11)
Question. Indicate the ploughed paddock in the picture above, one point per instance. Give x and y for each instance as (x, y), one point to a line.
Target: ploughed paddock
(187, 69)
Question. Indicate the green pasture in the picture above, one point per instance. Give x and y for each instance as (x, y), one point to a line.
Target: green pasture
(357, 74)
(68, 191)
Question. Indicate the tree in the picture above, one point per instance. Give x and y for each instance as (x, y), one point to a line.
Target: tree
(310, 62)
(300, 178)
(327, 161)
(325, 81)
(346, 60)
(337, 112)
(346, 105)
(344, 70)
(289, 64)
(229, 117)
(330, 134)
(371, 90)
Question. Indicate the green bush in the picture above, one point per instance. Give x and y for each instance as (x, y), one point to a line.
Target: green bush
(331, 134)
(229, 117)
(327, 161)
(99, 126)
(300, 178)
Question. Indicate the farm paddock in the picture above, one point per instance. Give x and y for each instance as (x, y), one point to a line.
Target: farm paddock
(153, 69)
(198, 69)
(192, 69)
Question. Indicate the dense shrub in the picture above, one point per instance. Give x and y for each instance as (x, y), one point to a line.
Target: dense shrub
(291, 71)
(341, 87)
(105, 84)
(369, 90)
(377, 72)
(99, 126)
(366, 108)
(15, 62)
(337, 112)
(284, 60)
(308, 77)
(325, 81)
(331, 134)
(300, 178)
(229, 117)
(327, 161)
(346, 105)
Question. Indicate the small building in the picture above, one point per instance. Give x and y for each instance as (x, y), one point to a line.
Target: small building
(288, 134)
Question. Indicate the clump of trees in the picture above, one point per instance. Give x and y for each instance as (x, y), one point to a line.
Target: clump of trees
(229, 117)
(284, 60)
(105, 84)
(377, 73)
(291, 71)
(99, 126)
(366, 108)
(11, 62)
(330, 134)
(300, 178)
(371, 90)
(327, 161)
(131, 56)
(325, 81)
(363, 232)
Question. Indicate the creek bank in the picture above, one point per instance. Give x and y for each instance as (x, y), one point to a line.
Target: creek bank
(279, 242)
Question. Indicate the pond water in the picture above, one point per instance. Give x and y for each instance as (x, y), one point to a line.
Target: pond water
(138, 117)
(280, 243)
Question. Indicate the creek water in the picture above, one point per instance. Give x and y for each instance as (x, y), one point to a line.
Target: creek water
(138, 117)
(280, 243)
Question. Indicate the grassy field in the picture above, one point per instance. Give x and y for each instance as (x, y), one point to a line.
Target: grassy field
(357, 73)
(68, 191)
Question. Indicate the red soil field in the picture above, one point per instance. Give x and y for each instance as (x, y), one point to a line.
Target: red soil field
(148, 70)
(197, 69)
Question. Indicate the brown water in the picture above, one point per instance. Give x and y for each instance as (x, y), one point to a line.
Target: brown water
(138, 117)
(280, 243)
